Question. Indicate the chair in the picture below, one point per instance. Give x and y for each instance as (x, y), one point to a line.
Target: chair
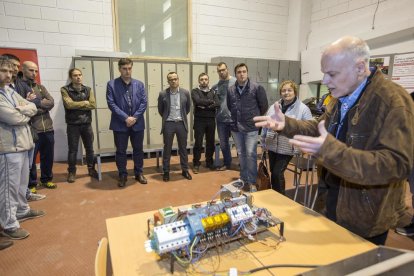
(305, 163)
(101, 258)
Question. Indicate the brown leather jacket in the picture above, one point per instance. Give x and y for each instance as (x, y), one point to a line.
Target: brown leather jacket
(376, 159)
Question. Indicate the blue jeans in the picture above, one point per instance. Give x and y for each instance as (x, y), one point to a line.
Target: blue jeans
(246, 144)
(224, 133)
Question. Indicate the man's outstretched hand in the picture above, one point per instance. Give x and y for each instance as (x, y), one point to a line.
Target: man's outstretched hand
(309, 144)
(275, 122)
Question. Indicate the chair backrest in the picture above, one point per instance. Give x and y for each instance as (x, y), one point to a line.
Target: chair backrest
(101, 257)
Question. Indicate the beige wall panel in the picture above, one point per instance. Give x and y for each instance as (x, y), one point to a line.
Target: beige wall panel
(95, 131)
(106, 139)
(166, 68)
(154, 85)
(155, 122)
(102, 76)
(197, 70)
(183, 71)
(86, 67)
(115, 70)
(212, 74)
(138, 71)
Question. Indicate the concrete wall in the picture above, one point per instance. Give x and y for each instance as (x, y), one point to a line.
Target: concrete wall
(391, 31)
(55, 28)
(239, 28)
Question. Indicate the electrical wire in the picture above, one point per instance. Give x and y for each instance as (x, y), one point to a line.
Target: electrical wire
(375, 13)
(237, 230)
(254, 270)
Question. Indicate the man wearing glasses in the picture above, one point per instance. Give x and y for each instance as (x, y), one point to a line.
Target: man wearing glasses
(174, 104)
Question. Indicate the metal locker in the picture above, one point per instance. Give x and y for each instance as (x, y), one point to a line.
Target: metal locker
(197, 69)
(272, 93)
(115, 70)
(229, 61)
(101, 74)
(167, 68)
(138, 71)
(95, 132)
(154, 86)
(294, 71)
(212, 74)
(236, 61)
(273, 75)
(283, 70)
(252, 69)
(105, 135)
(183, 71)
(262, 70)
(155, 126)
(86, 67)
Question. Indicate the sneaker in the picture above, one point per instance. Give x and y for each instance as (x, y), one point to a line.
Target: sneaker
(35, 197)
(17, 234)
(33, 190)
(406, 230)
(71, 177)
(223, 168)
(32, 214)
(93, 173)
(196, 169)
(49, 185)
(5, 244)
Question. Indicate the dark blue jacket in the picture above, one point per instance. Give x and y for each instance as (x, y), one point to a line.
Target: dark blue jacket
(253, 102)
(118, 104)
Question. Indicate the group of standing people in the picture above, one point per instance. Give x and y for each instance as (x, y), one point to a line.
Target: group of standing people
(363, 141)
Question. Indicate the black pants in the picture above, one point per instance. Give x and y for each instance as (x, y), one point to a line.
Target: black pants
(171, 129)
(379, 239)
(121, 144)
(278, 164)
(45, 145)
(74, 132)
(204, 126)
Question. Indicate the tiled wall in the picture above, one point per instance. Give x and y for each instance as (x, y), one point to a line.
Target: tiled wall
(55, 28)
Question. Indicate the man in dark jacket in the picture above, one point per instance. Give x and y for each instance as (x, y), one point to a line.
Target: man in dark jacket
(127, 100)
(364, 141)
(205, 103)
(246, 99)
(174, 103)
(42, 123)
(79, 101)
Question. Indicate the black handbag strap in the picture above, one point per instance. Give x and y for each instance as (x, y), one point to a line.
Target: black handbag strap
(264, 159)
